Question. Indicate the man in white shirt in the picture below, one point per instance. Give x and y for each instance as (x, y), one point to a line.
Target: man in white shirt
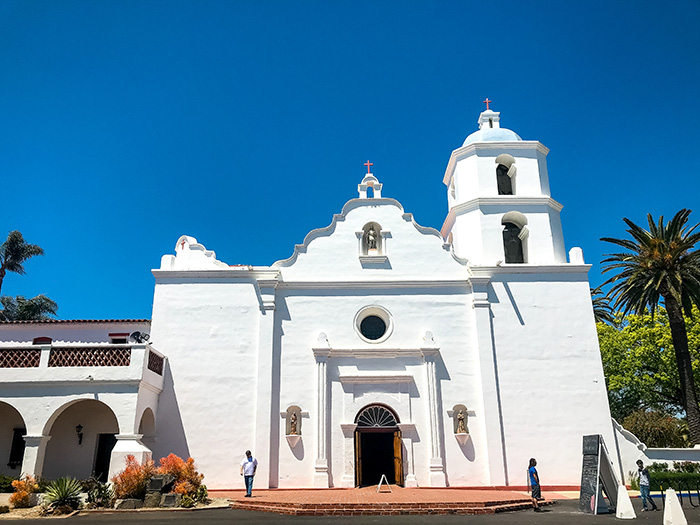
(248, 467)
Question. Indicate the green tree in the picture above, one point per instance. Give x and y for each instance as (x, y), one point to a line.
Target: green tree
(13, 252)
(661, 264)
(656, 429)
(602, 311)
(18, 308)
(640, 364)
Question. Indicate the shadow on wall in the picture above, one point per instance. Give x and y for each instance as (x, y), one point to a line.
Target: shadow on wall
(171, 432)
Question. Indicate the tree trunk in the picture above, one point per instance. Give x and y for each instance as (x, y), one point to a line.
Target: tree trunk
(685, 366)
(2, 276)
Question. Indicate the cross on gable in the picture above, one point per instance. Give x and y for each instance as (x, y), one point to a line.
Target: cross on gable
(368, 164)
(487, 102)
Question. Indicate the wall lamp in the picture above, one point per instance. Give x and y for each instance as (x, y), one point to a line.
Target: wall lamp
(79, 431)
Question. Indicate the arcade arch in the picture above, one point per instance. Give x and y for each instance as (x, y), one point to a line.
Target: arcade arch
(82, 436)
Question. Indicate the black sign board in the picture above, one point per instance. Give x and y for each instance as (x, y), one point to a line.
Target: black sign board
(597, 476)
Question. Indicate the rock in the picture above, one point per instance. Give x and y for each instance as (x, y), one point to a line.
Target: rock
(152, 499)
(128, 504)
(161, 483)
(171, 500)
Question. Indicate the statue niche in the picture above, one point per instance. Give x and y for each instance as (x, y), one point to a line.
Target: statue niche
(293, 421)
(371, 239)
(505, 171)
(460, 419)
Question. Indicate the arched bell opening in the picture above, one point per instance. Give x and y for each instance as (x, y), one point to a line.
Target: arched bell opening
(378, 447)
(12, 432)
(514, 237)
(83, 434)
(505, 174)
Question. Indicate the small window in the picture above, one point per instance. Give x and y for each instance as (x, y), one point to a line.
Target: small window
(119, 338)
(41, 341)
(373, 327)
(373, 324)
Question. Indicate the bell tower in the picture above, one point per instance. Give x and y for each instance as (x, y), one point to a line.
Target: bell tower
(500, 210)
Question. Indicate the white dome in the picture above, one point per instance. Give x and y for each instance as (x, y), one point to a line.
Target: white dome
(492, 135)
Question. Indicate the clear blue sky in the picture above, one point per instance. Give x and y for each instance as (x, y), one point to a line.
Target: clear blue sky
(125, 124)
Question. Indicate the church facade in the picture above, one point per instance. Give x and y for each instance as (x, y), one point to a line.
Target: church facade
(379, 348)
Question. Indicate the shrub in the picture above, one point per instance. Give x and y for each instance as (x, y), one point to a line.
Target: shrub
(98, 494)
(187, 479)
(23, 488)
(686, 466)
(64, 492)
(6, 483)
(4, 509)
(202, 494)
(133, 480)
(187, 502)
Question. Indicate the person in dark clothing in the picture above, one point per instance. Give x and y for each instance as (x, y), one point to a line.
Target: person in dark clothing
(536, 492)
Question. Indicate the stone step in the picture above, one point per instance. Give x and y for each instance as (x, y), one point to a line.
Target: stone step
(364, 509)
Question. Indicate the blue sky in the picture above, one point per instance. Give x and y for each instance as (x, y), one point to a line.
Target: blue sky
(245, 124)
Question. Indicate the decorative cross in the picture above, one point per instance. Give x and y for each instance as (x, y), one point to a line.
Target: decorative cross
(487, 102)
(368, 164)
(182, 244)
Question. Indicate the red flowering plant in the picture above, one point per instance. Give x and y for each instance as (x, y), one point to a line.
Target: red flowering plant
(132, 482)
(24, 487)
(187, 479)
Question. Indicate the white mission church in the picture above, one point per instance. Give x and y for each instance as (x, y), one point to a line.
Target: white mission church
(437, 358)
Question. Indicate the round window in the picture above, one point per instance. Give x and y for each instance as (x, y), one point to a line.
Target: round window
(373, 327)
(373, 324)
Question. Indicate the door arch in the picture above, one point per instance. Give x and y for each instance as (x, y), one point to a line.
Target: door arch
(378, 449)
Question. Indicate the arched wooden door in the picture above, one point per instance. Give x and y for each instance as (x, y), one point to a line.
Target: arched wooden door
(378, 448)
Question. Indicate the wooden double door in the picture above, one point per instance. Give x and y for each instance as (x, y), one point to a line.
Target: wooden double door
(378, 451)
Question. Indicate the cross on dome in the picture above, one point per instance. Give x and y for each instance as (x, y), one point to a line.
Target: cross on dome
(368, 164)
(487, 102)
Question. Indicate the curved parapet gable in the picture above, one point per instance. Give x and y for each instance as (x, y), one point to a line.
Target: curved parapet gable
(350, 206)
(190, 255)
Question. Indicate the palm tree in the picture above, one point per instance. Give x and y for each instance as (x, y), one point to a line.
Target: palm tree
(661, 264)
(13, 252)
(39, 308)
(602, 311)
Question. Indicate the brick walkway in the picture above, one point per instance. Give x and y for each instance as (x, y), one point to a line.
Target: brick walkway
(367, 500)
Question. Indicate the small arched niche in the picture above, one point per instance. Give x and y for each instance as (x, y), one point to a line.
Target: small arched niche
(514, 237)
(293, 421)
(372, 240)
(459, 419)
(505, 174)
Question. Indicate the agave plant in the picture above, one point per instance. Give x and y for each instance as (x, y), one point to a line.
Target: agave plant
(63, 492)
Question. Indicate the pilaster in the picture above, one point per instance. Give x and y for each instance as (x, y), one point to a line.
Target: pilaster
(491, 396)
(321, 474)
(127, 445)
(263, 422)
(437, 465)
(408, 433)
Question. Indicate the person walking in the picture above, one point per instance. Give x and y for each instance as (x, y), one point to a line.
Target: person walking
(248, 467)
(536, 492)
(644, 487)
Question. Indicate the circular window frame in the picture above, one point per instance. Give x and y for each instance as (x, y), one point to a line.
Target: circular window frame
(380, 312)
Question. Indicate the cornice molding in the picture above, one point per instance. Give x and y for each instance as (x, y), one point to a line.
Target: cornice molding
(364, 285)
(512, 201)
(488, 271)
(376, 378)
(474, 147)
(262, 273)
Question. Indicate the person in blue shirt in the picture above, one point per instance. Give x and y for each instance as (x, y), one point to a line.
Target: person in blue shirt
(534, 485)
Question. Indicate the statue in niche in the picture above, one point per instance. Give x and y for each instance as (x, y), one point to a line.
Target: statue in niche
(371, 238)
(512, 244)
(461, 427)
(505, 185)
(293, 424)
